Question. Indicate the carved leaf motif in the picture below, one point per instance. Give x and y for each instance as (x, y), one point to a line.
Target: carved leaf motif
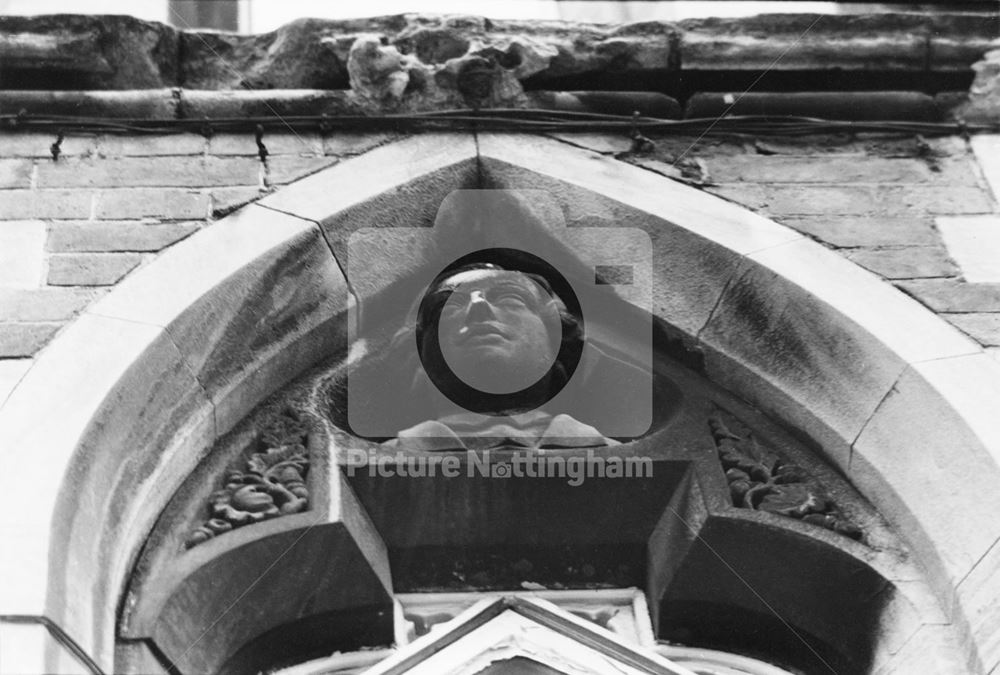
(272, 483)
(796, 500)
(761, 479)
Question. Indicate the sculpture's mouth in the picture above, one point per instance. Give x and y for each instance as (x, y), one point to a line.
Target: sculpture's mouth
(479, 332)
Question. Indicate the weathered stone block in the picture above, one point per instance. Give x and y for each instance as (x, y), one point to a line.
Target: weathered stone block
(294, 56)
(958, 40)
(18, 204)
(820, 200)
(90, 269)
(173, 203)
(227, 199)
(149, 171)
(149, 145)
(39, 144)
(283, 169)
(875, 199)
(948, 295)
(804, 365)
(838, 105)
(798, 41)
(977, 595)
(603, 143)
(935, 199)
(18, 340)
(983, 327)
(21, 257)
(750, 195)
(347, 143)
(984, 95)
(237, 298)
(282, 143)
(133, 104)
(908, 262)
(98, 52)
(44, 304)
(857, 231)
(928, 473)
(15, 173)
(268, 103)
(784, 169)
(932, 649)
(313, 54)
(125, 235)
(959, 168)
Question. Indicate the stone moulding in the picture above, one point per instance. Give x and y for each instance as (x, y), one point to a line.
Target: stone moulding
(926, 473)
(107, 52)
(414, 62)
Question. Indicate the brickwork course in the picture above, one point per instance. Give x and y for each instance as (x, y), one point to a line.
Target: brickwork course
(72, 228)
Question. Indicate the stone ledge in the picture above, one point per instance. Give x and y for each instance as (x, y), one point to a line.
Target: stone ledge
(314, 53)
(206, 110)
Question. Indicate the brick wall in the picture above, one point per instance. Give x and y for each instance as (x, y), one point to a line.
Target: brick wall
(73, 227)
(881, 201)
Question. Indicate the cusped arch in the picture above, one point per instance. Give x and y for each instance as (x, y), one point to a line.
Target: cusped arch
(122, 406)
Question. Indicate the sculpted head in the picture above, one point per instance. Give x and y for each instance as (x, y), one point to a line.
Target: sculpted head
(503, 333)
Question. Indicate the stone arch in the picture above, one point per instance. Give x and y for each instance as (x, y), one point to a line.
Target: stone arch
(100, 445)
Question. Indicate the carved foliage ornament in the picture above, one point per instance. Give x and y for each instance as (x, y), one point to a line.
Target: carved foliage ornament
(762, 480)
(267, 485)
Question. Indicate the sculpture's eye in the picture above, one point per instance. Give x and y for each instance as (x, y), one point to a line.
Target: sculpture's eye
(510, 299)
(510, 296)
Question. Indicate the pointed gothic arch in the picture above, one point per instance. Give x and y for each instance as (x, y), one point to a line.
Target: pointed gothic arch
(129, 399)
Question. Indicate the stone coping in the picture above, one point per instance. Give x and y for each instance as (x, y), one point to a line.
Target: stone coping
(205, 110)
(419, 62)
(121, 52)
(415, 62)
(848, 360)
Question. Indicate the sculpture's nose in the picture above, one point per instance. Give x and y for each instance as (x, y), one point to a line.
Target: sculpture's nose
(479, 308)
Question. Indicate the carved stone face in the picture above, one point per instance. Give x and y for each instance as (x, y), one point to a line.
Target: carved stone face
(499, 330)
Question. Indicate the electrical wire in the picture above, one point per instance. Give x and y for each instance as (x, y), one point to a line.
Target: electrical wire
(496, 119)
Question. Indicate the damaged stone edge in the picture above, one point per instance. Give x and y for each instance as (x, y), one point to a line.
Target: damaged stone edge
(167, 105)
(122, 53)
